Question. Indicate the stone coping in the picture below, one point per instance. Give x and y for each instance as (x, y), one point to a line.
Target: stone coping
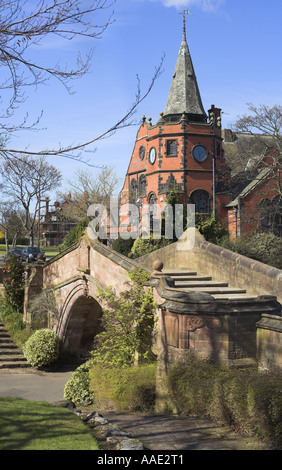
(270, 322)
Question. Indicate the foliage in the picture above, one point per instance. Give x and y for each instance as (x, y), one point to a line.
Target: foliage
(37, 425)
(143, 246)
(210, 228)
(124, 389)
(263, 247)
(173, 197)
(14, 323)
(42, 348)
(123, 246)
(5, 309)
(128, 323)
(78, 389)
(75, 233)
(13, 282)
(248, 400)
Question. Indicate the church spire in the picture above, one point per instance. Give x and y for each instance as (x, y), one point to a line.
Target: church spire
(184, 95)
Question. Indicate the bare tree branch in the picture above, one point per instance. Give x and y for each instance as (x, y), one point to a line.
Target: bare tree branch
(23, 25)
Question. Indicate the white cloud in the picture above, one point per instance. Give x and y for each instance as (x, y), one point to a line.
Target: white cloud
(205, 5)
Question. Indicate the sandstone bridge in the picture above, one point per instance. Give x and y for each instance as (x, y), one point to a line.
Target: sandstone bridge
(217, 303)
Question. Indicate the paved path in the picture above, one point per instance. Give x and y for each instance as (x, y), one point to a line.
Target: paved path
(33, 385)
(180, 433)
(155, 432)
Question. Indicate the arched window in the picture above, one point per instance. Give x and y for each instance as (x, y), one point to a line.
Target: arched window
(152, 201)
(142, 185)
(202, 201)
(133, 190)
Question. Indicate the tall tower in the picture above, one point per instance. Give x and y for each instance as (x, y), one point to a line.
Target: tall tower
(184, 95)
(182, 150)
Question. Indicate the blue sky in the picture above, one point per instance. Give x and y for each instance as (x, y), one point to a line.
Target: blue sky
(235, 47)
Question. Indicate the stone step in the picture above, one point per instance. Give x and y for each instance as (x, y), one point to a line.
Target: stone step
(179, 273)
(215, 290)
(9, 351)
(8, 344)
(201, 284)
(231, 296)
(11, 356)
(14, 365)
(191, 278)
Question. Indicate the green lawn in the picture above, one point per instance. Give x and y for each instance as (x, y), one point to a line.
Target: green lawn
(30, 425)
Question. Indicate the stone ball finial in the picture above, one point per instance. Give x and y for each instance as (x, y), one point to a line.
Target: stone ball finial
(157, 266)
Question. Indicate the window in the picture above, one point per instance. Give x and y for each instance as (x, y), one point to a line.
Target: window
(171, 148)
(133, 190)
(271, 215)
(142, 184)
(152, 200)
(202, 201)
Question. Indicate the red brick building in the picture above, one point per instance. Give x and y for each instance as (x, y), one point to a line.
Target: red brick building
(258, 206)
(187, 149)
(183, 150)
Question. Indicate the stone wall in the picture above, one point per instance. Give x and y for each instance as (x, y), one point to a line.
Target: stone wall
(223, 265)
(269, 342)
(263, 337)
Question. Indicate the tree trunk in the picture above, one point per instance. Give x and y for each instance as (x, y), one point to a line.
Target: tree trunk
(31, 238)
(15, 240)
(6, 241)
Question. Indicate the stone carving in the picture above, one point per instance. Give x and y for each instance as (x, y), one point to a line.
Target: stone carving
(193, 323)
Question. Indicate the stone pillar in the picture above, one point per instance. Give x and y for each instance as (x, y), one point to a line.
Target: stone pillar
(33, 287)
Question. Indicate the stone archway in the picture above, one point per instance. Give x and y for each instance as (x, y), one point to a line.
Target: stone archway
(82, 325)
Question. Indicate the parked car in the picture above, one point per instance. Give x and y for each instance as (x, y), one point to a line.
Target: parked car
(16, 250)
(31, 253)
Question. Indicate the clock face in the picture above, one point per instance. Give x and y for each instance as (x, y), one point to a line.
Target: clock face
(141, 152)
(152, 155)
(199, 153)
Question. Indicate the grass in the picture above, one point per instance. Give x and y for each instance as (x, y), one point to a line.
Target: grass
(31, 425)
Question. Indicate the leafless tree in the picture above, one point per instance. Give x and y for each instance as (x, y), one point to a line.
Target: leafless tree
(264, 123)
(24, 25)
(25, 182)
(6, 208)
(85, 190)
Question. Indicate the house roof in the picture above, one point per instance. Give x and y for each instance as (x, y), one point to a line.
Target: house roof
(242, 151)
(250, 187)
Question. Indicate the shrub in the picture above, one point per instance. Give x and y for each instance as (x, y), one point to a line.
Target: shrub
(78, 389)
(143, 246)
(123, 246)
(128, 389)
(75, 233)
(210, 228)
(42, 348)
(5, 309)
(248, 400)
(128, 322)
(13, 282)
(14, 323)
(263, 247)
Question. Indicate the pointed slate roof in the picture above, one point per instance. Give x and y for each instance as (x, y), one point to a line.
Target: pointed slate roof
(184, 95)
